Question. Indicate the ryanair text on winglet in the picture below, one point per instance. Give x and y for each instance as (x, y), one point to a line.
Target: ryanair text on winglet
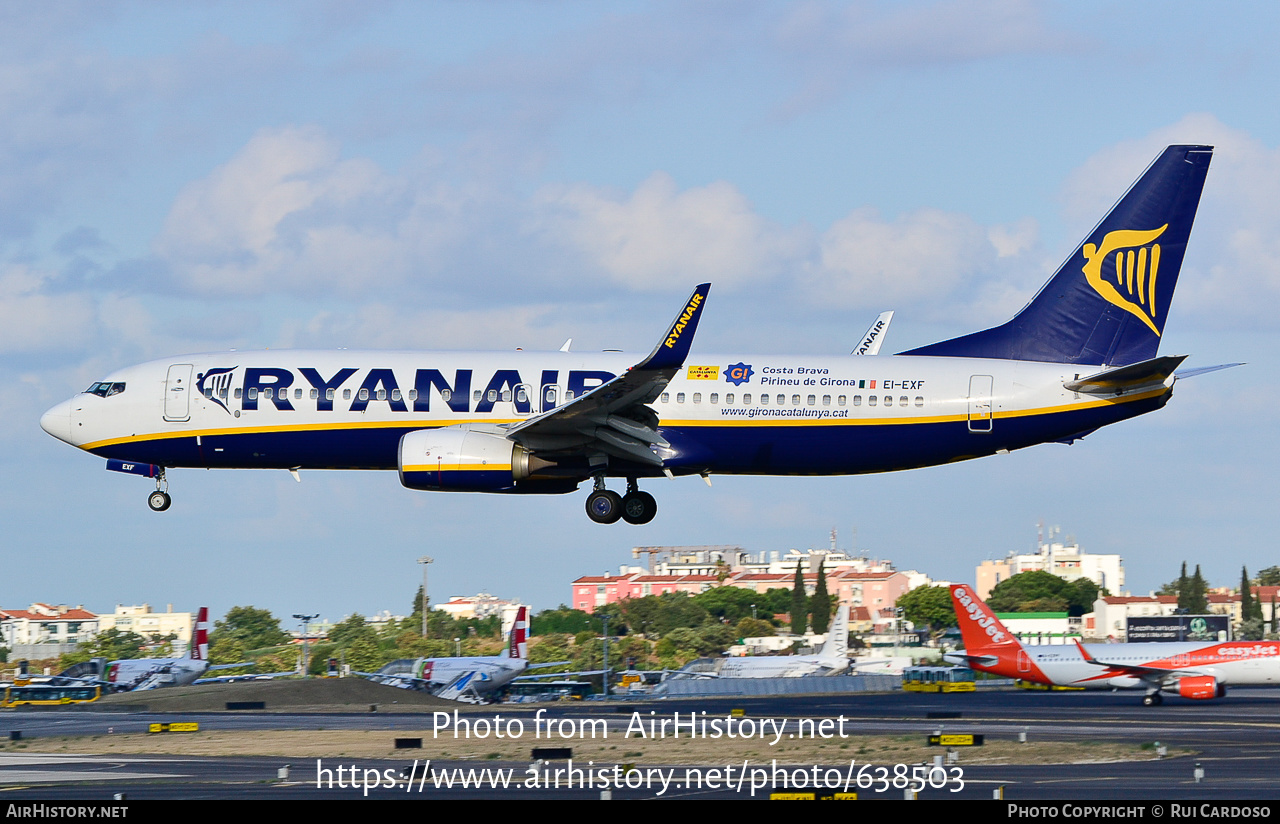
(683, 321)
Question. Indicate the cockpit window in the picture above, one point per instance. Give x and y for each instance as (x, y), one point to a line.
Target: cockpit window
(105, 389)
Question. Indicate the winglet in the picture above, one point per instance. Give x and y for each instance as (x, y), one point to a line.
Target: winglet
(674, 346)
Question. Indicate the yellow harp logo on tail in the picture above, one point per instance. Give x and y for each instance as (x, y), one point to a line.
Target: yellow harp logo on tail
(1137, 264)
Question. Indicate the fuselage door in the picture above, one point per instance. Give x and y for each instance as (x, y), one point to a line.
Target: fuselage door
(177, 393)
(980, 415)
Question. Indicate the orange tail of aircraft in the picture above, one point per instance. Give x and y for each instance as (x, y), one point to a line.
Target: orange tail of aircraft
(988, 644)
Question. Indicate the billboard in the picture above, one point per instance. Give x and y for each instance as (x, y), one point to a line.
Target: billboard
(1209, 628)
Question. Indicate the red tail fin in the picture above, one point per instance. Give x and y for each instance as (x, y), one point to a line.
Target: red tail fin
(519, 647)
(981, 630)
(989, 646)
(200, 639)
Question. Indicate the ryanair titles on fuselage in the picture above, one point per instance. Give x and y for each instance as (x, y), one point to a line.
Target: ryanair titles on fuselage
(234, 388)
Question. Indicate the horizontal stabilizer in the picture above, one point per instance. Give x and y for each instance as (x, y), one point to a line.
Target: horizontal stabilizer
(1123, 379)
(1203, 370)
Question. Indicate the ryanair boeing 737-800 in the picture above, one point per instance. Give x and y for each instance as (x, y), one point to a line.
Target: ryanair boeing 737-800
(1082, 354)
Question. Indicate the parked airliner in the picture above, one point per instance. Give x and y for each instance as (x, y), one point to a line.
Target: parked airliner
(132, 674)
(1081, 355)
(1192, 670)
(832, 658)
(458, 678)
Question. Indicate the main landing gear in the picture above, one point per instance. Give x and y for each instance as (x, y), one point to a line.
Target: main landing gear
(1152, 699)
(606, 507)
(159, 500)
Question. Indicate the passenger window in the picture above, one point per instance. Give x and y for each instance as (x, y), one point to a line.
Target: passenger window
(315, 393)
(395, 394)
(346, 394)
(445, 395)
(521, 396)
(728, 398)
(783, 399)
(328, 394)
(826, 400)
(697, 397)
(902, 400)
(506, 395)
(871, 400)
(475, 396)
(551, 395)
(840, 400)
(919, 401)
(237, 393)
(812, 400)
(297, 393)
(857, 400)
(382, 394)
(764, 398)
(679, 397)
(413, 394)
(715, 397)
(666, 397)
(253, 393)
(568, 394)
(491, 395)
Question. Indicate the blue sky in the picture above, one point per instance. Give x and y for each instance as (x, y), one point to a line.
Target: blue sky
(203, 176)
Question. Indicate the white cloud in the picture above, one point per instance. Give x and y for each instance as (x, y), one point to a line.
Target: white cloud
(920, 257)
(661, 238)
(32, 319)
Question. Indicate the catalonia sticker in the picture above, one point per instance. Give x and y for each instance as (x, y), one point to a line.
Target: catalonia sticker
(702, 373)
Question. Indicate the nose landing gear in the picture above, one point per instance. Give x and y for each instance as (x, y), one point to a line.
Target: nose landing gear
(159, 500)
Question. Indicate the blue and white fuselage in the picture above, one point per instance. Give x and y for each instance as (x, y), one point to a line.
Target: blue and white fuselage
(1081, 355)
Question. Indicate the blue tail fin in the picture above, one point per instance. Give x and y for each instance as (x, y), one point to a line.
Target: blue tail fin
(1108, 302)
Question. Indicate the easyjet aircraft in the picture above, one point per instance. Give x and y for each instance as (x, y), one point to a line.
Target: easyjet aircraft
(1192, 670)
(1082, 354)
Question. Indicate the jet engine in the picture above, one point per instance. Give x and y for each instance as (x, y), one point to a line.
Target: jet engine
(466, 458)
(1201, 687)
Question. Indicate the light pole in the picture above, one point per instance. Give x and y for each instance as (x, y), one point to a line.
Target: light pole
(303, 620)
(424, 560)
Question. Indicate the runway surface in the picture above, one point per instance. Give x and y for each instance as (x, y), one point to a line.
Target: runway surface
(1236, 740)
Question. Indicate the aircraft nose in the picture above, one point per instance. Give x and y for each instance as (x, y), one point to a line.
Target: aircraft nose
(57, 421)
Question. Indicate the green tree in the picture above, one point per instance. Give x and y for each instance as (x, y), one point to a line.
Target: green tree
(1247, 601)
(1195, 600)
(754, 628)
(730, 604)
(1269, 577)
(345, 632)
(252, 628)
(1038, 591)
(928, 607)
(562, 619)
(659, 614)
(799, 603)
(820, 603)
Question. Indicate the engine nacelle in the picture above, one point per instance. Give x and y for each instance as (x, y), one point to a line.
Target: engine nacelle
(1201, 687)
(463, 459)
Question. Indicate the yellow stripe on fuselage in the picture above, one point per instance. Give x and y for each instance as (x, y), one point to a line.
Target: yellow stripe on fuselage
(666, 422)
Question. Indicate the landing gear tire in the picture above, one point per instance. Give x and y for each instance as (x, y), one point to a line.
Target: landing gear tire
(604, 506)
(159, 501)
(639, 507)
(1153, 700)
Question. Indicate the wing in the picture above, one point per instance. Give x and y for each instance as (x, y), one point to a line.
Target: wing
(614, 419)
(1152, 674)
